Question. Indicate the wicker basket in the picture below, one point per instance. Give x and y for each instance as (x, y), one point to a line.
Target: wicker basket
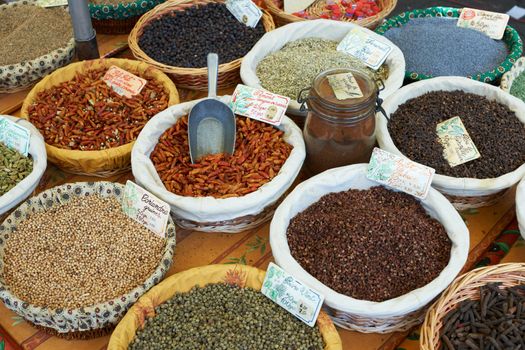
(466, 287)
(101, 163)
(189, 78)
(282, 18)
(240, 275)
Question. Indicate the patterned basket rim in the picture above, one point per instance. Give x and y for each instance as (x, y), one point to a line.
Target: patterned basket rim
(507, 79)
(122, 10)
(511, 39)
(50, 313)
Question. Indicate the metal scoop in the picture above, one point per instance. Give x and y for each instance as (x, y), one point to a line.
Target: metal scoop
(211, 123)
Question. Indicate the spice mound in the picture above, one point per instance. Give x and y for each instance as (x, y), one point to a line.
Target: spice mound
(294, 67)
(260, 152)
(14, 167)
(494, 321)
(518, 87)
(438, 47)
(206, 28)
(223, 316)
(497, 133)
(28, 32)
(373, 244)
(86, 114)
(78, 254)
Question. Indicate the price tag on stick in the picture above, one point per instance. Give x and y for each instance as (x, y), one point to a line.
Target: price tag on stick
(458, 147)
(245, 11)
(259, 104)
(364, 47)
(292, 295)
(123, 82)
(491, 23)
(14, 136)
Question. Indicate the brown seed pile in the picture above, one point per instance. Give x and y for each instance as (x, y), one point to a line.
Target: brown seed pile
(78, 254)
(260, 152)
(28, 32)
(373, 244)
(496, 131)
(86, 114)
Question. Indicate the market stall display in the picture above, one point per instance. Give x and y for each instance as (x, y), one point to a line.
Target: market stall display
(20, 175)
(513, 81)
(35, 41)
(209, 27)
(98, 125)
(252, 200)
(296, 70)
(423, 35)
(378, 299)
(118, 16)
(485, 303)
(494, 120)
(61, 268)
(178, 301)
(364, 13)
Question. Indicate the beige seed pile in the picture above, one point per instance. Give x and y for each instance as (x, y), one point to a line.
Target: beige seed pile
(78, 254)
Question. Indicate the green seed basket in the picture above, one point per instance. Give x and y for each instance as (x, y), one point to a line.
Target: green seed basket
(511, 39)
(119, 18)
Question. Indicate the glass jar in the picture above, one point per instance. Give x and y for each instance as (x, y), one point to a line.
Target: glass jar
(339, 132)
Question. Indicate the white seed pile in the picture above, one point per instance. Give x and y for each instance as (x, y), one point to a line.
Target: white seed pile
(78, 254)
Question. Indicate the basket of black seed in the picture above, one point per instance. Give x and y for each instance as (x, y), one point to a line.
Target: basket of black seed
(72, 262)
(434, 45)
(20, 174)
(520, 207)
(35, 41)
(288, 59)
(470, 132)
(217, 307)
(482, 309)
(378, 256)
(208, 26)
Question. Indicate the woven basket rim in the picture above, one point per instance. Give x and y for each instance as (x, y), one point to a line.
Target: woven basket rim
(507, 80)
(170, 6)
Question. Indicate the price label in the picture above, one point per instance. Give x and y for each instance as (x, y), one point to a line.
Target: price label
(259, 104)
(400, 173)
(145, 208)
(345, 86)
(491, 23)
(14, 136)
(123, 82)
(364, 47)
(52, 3)
(245, 11)
(292, 295)
(458, 147)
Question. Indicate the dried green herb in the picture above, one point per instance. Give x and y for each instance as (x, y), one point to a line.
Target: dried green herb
(14, 167)
(293, 68)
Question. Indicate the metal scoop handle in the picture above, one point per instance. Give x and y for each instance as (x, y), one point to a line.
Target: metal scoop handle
(213, 71)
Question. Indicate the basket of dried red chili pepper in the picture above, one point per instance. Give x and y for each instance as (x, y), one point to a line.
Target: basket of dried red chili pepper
(88, 123)
(219, 193)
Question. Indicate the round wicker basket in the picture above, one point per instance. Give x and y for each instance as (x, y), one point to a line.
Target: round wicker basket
(189, 78)
(466, 287)
(282, 18)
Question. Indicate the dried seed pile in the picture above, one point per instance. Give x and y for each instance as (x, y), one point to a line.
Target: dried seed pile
(14, 167)
(496, 321)
(496, 131)
(207, 28)
(294, 67)
(28, 32)
(86, 114)
(438, 47)
(260, 152)
(372, 244)
(518, 87)
(223, 316)
(78, 254)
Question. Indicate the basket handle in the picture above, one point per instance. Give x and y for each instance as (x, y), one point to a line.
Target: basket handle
(213, 71)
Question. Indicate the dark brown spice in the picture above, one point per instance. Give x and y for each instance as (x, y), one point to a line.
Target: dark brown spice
(373, 244)
(496, 131)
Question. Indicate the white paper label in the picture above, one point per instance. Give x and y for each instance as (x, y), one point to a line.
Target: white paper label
(245, 11)
(14, 136)
(292, 295)
(491, 23)
(123, 82)
(364, 47)
(292, 6)
(344, 86)
(400, 173)
(458, 147)
(259, 104)
(52, 3)
(145, 208)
